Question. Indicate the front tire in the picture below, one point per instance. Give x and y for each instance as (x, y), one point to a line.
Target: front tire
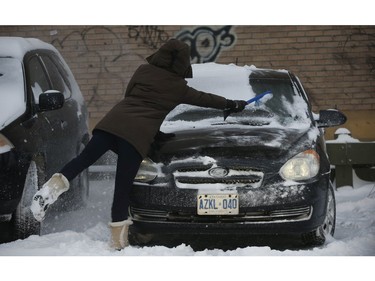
(23, 221)
(319, 236)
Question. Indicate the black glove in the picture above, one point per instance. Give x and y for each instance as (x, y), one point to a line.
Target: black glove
(160, 136)
(234, 106)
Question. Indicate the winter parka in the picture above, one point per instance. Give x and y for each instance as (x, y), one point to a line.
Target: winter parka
(154, 90)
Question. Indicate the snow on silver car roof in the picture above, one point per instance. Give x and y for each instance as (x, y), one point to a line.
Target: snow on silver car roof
(12, 96)
(17, 47)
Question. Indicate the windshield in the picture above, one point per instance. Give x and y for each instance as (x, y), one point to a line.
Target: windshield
(12, 94)
(283, 107)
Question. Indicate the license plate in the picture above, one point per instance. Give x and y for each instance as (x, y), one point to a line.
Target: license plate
(217, 204)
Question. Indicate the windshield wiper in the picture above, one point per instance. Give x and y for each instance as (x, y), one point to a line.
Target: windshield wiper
(246, 123)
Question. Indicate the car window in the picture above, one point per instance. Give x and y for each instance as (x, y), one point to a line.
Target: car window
(62, 69)
(38, 79)
(57, 80)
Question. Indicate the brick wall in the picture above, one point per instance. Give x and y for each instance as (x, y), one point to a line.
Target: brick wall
(336, 64)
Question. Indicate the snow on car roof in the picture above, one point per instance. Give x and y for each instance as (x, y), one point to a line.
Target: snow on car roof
(12, 51)
(17, 47)
(12, 96)
(229, 80)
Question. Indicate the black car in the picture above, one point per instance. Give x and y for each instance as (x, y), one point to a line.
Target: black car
(263, 171)
(43, 125)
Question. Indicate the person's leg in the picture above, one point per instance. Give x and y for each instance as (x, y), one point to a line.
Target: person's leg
(99, 144)
(59, 182)
(128, 164)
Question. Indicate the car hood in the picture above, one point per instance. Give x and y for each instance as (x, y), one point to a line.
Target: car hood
(259, 142)
(12, 94)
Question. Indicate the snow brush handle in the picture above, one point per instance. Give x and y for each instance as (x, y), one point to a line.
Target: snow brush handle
(258, 97)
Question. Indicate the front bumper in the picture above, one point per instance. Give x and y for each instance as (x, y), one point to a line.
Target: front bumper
(274, 209)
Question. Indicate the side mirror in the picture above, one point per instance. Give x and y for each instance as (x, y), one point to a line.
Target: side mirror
(51, 100)
(330, 118)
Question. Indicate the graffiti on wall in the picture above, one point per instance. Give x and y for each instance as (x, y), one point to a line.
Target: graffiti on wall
(150, 35)
(206, 43)
(103, 59)
(357, 41)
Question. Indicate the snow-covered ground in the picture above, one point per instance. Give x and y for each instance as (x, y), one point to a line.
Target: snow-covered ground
(85, 233)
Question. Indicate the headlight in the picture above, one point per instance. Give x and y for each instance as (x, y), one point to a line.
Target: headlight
(5, 144)
(303, 166)
(147, 172)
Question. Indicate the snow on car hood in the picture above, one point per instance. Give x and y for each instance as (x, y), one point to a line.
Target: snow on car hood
(12, 94)
(254, 139)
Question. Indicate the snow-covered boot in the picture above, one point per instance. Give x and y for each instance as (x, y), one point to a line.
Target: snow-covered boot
(120, 232)
(48, 194)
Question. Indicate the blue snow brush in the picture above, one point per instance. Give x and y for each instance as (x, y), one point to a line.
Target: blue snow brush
(258, 99)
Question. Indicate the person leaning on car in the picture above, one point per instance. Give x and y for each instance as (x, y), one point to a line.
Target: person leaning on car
(130, 126)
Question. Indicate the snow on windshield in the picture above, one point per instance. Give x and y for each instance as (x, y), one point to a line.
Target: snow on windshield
(286, 109)
(12, 95)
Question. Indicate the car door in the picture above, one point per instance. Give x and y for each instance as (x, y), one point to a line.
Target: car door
(55, 127)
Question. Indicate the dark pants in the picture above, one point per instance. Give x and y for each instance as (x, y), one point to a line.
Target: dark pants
(128, 163)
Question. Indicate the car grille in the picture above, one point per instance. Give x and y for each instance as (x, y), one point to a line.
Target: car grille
(231, 180)
(272, 216)
(196, 175)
